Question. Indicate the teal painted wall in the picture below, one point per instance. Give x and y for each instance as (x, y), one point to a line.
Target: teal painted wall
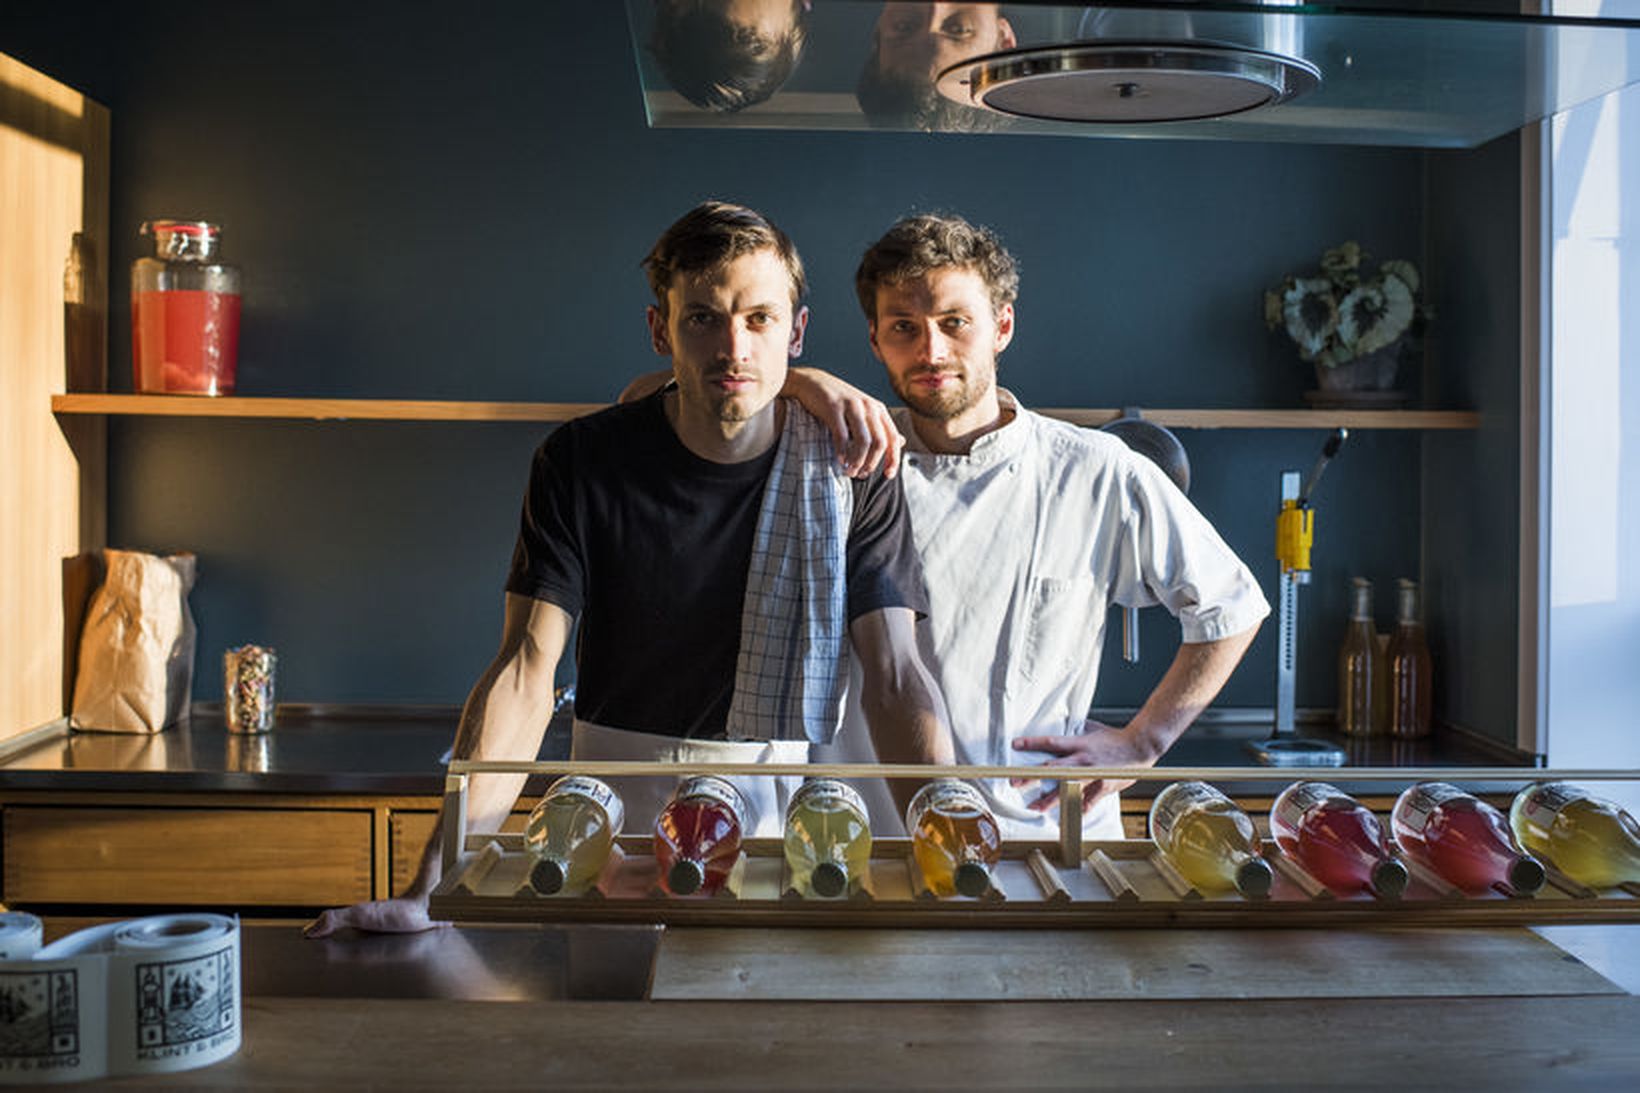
(431, 202)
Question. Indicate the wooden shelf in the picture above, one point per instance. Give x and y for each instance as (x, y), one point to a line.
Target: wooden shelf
(320, 409)
(344, 409)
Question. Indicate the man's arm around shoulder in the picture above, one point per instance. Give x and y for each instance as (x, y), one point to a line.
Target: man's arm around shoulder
(504, 718)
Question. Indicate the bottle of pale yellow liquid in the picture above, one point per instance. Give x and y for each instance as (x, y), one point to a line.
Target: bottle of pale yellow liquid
(954, 838)
(1211, 841)
(570, 832)
(1591, 840)
(828, 837)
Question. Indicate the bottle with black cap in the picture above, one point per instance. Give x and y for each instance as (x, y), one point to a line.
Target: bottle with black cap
(1209, 840)
(954, 837)
(1463, 839)
(1337, 839)
(570, 833)
(698, 835)
(828, 838)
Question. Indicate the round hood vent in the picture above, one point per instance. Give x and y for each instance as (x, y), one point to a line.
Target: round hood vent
(1111, 81)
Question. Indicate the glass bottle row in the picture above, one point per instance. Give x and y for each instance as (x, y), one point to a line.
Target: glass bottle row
(1216, 846)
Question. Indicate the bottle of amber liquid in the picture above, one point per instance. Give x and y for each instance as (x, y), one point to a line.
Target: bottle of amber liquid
(1409, 668)
(698, 833)
(954, 837)
(1361, 709)
(1211, 841)
(570, 833)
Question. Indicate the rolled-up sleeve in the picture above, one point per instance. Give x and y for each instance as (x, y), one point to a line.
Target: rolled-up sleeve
(1181, 562)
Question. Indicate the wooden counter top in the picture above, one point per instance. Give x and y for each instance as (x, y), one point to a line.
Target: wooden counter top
(1263, 1026)
(1537, 1043)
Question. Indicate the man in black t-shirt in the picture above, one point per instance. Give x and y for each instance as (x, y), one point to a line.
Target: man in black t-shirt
(640, 520)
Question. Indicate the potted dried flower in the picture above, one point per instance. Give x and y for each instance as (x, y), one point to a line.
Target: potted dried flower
(1351, 323)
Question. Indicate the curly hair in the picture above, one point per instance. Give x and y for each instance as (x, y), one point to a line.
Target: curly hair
(917, 245)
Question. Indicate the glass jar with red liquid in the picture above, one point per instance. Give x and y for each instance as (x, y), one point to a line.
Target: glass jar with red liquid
(184, 313)
(698, 833)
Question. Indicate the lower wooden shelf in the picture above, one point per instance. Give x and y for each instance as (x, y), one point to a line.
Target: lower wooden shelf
(1114, 884)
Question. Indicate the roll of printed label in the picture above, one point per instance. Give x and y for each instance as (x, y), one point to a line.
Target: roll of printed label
(20, 935)
(145, 996)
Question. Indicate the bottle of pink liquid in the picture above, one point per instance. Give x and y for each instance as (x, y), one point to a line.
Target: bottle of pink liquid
(698, 833)
(1337, 839)
(1462, 838)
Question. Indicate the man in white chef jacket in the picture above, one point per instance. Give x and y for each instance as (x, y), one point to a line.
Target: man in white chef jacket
(1029, 529)
(720, 564)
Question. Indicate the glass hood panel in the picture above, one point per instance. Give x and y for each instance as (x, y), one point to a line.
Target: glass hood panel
(1448, 74)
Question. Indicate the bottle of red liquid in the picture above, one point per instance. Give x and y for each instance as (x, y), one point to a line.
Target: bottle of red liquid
(184, 313)
(698, 833)
(1337, 839)
(1462, 838)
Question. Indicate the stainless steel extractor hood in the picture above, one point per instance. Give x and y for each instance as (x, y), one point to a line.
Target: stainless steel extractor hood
(1441, 73)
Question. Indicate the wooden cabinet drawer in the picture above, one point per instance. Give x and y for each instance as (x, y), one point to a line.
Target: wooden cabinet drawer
(187, 857)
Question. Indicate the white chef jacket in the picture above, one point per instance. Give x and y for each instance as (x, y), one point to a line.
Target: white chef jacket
(1026, 541)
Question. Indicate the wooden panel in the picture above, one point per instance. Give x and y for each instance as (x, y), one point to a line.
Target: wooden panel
(1022, 965)
(337, 409)
(408, 834)
(1542, 1044)
(53, 183)
(186, 857)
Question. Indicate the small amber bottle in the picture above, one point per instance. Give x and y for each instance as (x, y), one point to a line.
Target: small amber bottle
(1410, 669)
(1361, 705)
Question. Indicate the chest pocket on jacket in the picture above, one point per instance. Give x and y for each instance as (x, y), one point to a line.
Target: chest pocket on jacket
(1060, 619)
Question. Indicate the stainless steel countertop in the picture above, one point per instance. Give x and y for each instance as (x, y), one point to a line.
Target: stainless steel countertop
(477, 964)
(389, 753)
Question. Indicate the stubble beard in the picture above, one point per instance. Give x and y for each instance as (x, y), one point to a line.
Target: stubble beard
(947, 403)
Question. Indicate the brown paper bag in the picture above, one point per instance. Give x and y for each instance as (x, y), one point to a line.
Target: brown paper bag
(136, 663)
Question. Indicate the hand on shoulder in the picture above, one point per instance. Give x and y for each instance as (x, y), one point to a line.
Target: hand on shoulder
(861, 427)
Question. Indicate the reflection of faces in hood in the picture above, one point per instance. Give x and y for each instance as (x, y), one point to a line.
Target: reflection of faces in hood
(911, 45)
(922, 40)
(726, 55)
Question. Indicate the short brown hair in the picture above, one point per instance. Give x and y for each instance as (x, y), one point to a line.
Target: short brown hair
(919, 245)
(717, 64)
(713, 234)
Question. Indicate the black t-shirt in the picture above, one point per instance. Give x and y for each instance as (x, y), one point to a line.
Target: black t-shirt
(649, 545)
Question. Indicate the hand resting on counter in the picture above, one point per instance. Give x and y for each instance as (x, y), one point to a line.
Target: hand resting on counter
(404, 915)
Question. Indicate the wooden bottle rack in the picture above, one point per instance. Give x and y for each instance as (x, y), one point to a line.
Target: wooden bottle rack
(1117, 883)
